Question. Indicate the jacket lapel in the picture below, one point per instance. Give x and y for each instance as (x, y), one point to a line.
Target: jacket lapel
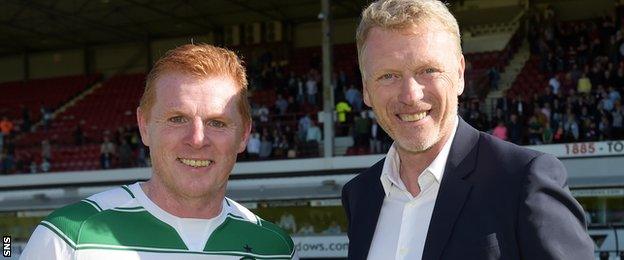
(453, 190)
(367, 211)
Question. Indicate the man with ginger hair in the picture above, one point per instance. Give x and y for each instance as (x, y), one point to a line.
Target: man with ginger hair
(194, 116)
(445, 190)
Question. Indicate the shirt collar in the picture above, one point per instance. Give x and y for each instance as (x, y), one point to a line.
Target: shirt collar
(390, 171)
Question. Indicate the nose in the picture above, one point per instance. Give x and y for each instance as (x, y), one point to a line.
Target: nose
(411, 91)
(196, 136)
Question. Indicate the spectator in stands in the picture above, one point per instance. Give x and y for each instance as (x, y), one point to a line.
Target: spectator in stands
(547, 133)
(313, 139)
(361, 129)
(519, 107)
(554, 83)
(46, 149)
(584, 85)
(617, 125)
(375, 137)
(571, 128)
(590, 130)
(78, 135)
(493, 77)
(45, 165)
(8, 162)
(263, 114)
(288, 223)
(46, 115)
(354, 97)
(306, 229)
(515, 129)
(311, 90)
(281, 104)
(342, 110)
(125, 154)
(253, 146)
(6, 126)
(304, 124)
(266, 147)
(280, 146)
(107, 151)
(614, 95)
(300, 91)
(535, 131)
(332, 229)
(293, 106)
(33, 167)
(500, 130)
(604, 128)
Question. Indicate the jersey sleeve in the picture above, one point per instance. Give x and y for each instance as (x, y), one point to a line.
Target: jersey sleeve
(45, 244)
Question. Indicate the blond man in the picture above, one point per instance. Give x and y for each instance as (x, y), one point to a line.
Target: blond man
(446, 190)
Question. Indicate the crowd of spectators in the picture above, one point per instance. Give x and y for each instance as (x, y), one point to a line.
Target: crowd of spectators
(288, 125)
(581, 101)
(583, 62)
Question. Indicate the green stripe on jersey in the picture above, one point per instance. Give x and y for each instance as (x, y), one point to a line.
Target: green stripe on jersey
(236, 235)
(67, 220)
(129, 229)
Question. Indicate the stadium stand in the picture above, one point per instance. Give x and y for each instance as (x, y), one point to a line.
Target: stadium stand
(570, 90)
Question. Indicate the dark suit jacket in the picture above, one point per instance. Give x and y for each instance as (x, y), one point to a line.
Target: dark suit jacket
(496, 201)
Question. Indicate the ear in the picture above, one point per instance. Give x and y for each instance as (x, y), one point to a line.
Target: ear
(245, 137)
(142, 121)
(461, 80)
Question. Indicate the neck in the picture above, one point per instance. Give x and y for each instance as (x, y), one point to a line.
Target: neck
(412, 164)
(181, 206)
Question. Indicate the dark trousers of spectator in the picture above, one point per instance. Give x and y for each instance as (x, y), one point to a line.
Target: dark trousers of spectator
(361, 139)
(375, 145)
(617, 133)
(252, 156)
(105, 161)
(310, 149)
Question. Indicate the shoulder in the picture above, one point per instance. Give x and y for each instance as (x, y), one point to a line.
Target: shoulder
(505, 152)
(67, 221)
(523, 163)
(245, 227)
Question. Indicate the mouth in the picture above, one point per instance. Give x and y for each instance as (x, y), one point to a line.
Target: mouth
(195, 162)
(413, 117)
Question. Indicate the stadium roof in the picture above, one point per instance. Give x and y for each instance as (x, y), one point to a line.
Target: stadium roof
(38, 25)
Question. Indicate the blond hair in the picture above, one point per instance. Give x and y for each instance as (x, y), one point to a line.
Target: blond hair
(403, 14)
(201, 61)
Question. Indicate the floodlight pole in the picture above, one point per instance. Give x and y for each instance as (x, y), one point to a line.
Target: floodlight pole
(328, 90)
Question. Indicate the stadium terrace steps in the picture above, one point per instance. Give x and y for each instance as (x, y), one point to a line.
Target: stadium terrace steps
(56, 91)
(104, 107)
(509, 76)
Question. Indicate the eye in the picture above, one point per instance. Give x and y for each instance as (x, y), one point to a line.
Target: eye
(216, 124)
(177, 119)
(388, 78)
(430, 70)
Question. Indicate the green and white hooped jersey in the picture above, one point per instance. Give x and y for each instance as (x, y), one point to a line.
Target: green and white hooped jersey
(124, 223)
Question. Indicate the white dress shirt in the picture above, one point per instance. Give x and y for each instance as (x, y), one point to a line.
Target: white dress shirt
(404, 219)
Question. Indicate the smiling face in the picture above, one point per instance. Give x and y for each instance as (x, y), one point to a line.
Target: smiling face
(194, 131)
(412, 78)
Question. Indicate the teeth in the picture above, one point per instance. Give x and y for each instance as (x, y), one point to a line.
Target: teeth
(413, 117)
(196, 163)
